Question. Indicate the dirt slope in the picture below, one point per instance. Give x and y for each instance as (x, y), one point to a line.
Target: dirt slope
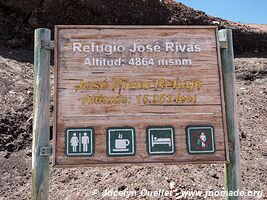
(258, 27)
(15, 180)
(19, 18)
(16, 104)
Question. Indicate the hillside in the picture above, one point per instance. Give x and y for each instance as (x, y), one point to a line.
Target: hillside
(78, 183)
(18, 19)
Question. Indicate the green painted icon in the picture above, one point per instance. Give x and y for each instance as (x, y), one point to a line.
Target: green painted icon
(79, 141)
(120, 141)
(160, 140)
(200, 139)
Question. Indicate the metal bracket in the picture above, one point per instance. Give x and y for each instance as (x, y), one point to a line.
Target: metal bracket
(231, 146)
(47, 45)
(223, 44)
(46, 151)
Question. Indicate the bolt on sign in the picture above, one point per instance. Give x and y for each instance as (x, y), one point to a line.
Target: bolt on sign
(138, 94)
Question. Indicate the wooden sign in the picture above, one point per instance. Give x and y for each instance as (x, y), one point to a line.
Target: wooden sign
(138, 94)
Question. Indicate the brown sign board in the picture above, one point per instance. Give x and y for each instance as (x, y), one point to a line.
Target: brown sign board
(138, 94)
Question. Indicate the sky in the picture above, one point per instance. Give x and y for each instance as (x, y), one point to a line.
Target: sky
(245, 11)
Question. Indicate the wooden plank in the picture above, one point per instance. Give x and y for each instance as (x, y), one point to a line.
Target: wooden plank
(41, 113)
(232, 169)
(79, 106)
(97, 27)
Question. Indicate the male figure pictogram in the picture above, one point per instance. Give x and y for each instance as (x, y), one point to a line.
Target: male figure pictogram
(203, 138)
(85, 142)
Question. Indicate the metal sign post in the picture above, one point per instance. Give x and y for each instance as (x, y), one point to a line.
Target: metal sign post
(41, 113)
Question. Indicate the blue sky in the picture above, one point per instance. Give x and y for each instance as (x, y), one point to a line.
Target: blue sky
(246, 11)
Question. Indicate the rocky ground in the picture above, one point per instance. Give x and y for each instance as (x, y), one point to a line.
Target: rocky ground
(19, 18)
(258, 27)
(15, 170)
